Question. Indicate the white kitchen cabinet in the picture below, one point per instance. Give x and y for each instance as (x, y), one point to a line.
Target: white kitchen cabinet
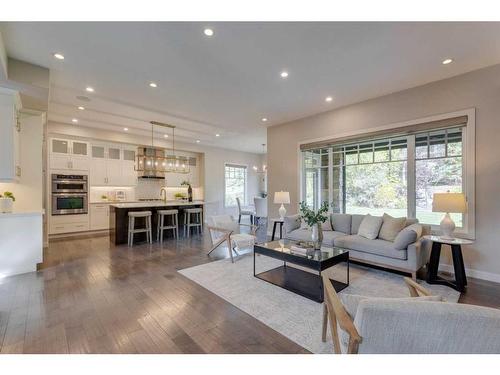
(99, 216)
(10, 127)
(69, 154)
(59, 224)
(112, 165)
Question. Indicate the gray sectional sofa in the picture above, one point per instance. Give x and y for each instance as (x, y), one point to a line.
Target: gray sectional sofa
(342, 231)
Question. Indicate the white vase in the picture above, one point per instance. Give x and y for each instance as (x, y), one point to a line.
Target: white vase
(6, 205)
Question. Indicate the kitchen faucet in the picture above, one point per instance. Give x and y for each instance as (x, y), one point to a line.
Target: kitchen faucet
(163, 196)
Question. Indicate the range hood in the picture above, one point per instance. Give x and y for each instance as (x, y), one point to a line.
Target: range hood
(150, 162)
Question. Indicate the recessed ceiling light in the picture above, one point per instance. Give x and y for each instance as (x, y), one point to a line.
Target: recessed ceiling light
(284, 74)
(264, 119)
(59, 56)
(89, 89)
(165, 135)
(81, 108)
(217, 135)
(197, 141)
(208, 32)
(74, 120)
(126, 129)
(447, 61)
(153, 84)
(328, 99)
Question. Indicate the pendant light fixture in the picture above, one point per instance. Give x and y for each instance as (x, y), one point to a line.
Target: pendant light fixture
(152, 161)
(263, 169)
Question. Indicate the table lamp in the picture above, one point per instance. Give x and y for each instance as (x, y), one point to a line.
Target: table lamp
(282, 197)
(448, 202)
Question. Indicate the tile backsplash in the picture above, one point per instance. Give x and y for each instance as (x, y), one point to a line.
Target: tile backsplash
(148, 188)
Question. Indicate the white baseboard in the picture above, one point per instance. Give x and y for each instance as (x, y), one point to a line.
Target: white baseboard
(483, 275)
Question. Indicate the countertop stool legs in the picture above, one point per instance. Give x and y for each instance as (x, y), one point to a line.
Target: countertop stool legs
(193, 217)
(174, 223)
(133, 230)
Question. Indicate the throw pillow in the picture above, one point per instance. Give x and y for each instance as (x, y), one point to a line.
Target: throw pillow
(356, 220)
(370, 226)
(417, 228)
(291, 223)
(391, 226)
(404, 238)
(341, 223)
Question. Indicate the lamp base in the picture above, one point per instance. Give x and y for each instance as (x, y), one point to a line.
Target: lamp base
(282, 212)
(447, 226)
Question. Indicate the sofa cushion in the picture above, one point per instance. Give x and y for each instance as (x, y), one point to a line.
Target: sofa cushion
(305, 235)
(356, 220)
(391, 226)
(410, 221)
(341, 223)
(377, 246)
(327, 225)
(404, 238)
(370, 227)
(291, 223)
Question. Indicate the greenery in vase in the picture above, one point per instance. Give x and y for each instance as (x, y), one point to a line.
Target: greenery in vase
(8, 194)
(179, 195)
(311, 217)
(185, 183)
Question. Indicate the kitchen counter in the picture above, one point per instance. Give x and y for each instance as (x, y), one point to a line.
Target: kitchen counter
(118, 217)
(146, 204)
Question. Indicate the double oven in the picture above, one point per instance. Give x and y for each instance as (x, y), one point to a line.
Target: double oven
(69, 194)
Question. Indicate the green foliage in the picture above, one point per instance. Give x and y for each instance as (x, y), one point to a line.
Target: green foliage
(310, 216)
(8, 194)
(185, 183)
(179, 195)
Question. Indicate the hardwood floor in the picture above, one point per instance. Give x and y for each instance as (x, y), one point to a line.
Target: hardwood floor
(93, 297)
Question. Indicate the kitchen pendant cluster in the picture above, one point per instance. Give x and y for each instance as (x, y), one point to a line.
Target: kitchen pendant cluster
(154, 162)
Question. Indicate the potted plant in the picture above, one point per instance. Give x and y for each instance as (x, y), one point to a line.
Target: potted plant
(179, 196)
(314, 220)
(190, 189)
(6, 202)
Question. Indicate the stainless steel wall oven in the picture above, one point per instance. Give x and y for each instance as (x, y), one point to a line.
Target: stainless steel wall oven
(69, 194)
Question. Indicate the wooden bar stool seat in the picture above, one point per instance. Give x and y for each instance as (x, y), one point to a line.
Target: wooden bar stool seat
(163, 216)
(193, 217)
(132, 215)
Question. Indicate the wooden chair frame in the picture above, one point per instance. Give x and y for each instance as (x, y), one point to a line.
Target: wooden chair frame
(226, 237)
(416, 290)
(335, 313)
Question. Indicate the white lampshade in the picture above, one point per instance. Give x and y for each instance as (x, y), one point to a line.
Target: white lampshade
(449, 202)
(282, 197)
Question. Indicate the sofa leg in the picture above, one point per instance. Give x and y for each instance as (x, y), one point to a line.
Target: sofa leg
(414, 276)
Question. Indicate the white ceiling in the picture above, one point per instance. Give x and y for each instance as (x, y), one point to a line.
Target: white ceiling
(225, 84)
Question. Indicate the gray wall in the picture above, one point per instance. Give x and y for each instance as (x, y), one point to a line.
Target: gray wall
(479, 89)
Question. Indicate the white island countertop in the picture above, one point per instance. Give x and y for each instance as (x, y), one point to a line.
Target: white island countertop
(156, 204)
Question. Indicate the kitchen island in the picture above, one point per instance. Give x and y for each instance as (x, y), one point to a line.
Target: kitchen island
(118, 217)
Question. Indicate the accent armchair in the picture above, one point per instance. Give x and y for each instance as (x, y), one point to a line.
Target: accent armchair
(421, 324)
(224, 229)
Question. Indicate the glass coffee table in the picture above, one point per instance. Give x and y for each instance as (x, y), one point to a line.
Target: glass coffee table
(304, 283)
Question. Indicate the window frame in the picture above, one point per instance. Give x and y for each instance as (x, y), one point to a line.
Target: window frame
(236, 165)
(468, 165)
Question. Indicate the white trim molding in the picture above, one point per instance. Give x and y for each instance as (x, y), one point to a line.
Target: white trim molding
(476, 274)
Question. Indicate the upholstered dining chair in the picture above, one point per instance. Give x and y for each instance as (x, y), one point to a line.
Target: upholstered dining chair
(244, 211)
(260, 209)
(422, 324)
(224, 229)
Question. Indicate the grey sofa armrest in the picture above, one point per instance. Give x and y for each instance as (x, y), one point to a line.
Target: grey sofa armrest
(418, 254)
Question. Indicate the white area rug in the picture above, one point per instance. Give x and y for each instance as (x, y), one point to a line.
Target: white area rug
(294, 316)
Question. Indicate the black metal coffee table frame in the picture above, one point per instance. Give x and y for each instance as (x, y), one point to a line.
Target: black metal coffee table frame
(306, 284)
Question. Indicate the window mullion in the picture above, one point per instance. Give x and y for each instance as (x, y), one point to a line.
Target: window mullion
(411, 177)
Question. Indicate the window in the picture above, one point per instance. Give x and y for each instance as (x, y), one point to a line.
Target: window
(397, 175)
(235, 184)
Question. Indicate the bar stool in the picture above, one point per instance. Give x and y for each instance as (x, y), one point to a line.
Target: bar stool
(162, 215)
(132, 215)
(197, 215)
